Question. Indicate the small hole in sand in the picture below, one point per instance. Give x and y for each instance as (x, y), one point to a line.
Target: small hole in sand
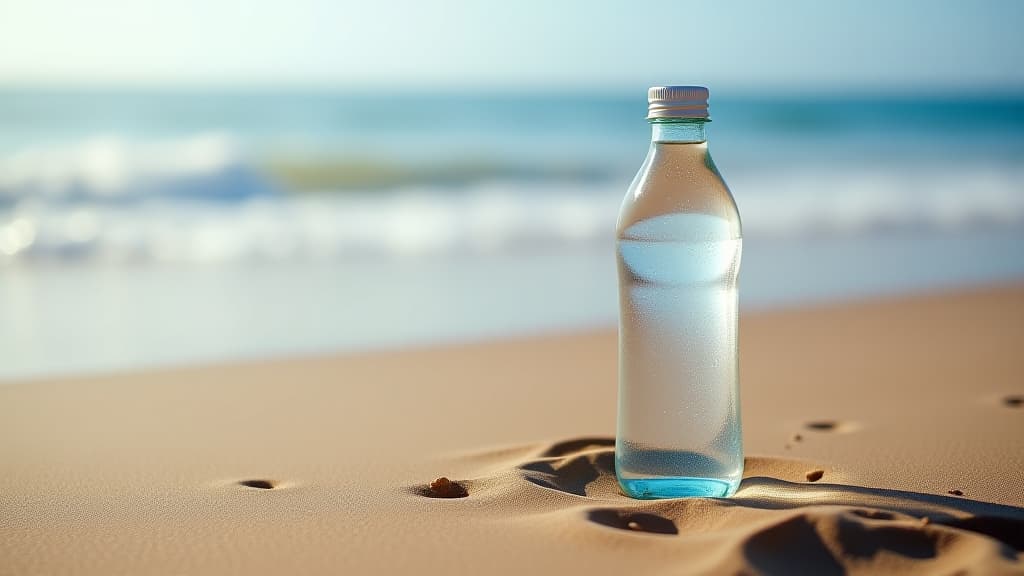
(821, 425)
(261, 484)
(633, 521)
(1015, 401)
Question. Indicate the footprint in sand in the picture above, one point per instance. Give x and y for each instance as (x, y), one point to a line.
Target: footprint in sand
(633, 521)
(584, 467)
(780, 508)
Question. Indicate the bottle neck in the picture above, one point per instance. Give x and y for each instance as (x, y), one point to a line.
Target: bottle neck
(679, 131)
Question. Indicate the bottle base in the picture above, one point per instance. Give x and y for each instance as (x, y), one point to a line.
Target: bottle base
(677, 487)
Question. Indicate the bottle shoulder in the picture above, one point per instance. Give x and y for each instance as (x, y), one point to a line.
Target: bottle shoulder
(682, 183)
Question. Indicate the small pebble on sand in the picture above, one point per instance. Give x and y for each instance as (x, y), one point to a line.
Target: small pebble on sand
(815, 475)
(445, 488)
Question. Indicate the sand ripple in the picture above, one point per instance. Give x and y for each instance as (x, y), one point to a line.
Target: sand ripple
(776, 523)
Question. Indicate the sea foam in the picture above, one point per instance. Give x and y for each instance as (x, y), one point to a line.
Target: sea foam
(202, 198)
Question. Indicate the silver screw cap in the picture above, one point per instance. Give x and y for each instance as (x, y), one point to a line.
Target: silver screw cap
(677, 102)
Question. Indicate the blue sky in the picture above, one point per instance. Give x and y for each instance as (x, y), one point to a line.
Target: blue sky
(738, 43)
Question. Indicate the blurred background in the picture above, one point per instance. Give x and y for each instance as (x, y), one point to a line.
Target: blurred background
(200, 181)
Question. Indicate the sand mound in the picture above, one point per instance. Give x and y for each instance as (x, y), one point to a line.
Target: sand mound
(778, 521)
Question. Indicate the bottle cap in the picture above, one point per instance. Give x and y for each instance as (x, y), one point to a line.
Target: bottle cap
(677, 102)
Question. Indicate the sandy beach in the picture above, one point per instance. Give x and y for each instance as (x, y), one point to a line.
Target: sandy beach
(881, 437)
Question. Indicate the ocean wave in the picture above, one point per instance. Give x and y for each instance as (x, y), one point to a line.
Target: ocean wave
(857, 199)
(200, 200)
(117, 169)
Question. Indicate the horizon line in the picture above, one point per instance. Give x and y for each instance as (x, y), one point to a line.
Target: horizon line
(936, 89)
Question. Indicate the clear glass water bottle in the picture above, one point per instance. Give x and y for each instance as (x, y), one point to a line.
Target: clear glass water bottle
(679, 244)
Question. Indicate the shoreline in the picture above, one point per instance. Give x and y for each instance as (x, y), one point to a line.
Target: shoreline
(67, 320)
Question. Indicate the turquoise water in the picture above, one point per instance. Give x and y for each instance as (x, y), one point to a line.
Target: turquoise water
(200, 175)
(678, 487)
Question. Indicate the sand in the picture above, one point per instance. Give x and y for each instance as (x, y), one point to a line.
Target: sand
(859, 422)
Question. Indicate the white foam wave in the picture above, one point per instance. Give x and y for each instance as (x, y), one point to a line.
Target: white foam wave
(119, 169)
(859, 199)
(197, 200)
(315, 226)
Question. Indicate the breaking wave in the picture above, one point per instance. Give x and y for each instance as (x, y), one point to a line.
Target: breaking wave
(202, 199)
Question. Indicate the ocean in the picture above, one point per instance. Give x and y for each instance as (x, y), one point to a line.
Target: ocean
(155, 227)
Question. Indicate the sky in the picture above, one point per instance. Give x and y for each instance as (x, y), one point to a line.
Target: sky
(508, 44)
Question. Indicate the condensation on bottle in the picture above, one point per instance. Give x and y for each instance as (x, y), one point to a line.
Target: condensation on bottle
(678, 247)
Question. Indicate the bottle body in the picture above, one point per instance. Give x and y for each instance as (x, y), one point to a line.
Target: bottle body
(679, 244)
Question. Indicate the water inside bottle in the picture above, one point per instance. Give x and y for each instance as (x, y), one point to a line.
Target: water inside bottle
(679, 432)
